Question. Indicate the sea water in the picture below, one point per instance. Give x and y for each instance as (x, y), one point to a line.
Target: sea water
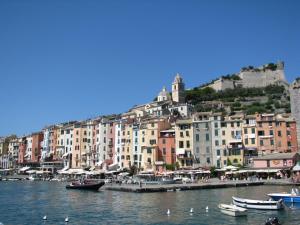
(27, 202)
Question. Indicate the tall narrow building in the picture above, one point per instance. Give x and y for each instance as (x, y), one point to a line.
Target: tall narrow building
(178, 89)
(295, 105)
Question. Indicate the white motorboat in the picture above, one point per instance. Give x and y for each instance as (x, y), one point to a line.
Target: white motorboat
(232, 210)
(257, 204)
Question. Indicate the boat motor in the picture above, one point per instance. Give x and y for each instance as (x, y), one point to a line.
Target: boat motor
(272, 221)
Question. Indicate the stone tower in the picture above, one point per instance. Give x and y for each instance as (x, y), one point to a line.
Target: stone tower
(178, 89)
(295, 105)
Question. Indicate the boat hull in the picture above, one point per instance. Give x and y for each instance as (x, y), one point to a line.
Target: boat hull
(87, 186)
(287, 198)
(232, 210)
(257, 204)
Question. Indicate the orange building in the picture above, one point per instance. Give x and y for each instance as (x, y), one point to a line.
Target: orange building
(276, 133)
(167, 146)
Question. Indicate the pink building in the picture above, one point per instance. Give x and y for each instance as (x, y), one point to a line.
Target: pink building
(276, 161)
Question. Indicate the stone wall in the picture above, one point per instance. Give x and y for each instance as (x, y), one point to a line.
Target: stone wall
(295, 105)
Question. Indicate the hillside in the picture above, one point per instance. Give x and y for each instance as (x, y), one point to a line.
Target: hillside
(272, 98)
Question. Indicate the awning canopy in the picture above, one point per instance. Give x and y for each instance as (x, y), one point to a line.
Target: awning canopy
(66, 154)
(180, 151)
(23, 169)
(31, 171)
(296, 168)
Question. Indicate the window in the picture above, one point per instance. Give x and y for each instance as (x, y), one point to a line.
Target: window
(216, 132)
(279, 133)
(232, 124)
(272, 142)
(238, 124)
(197, 138)
(208, 160)
(187, 133)
(207, 137)
(245, 131)
(218, 152)
(216, 143)
(252, 141)
(216, 125)
(261, 133)
(288, 132)
(197, 150)
(270, 123)
(164, 151)
(152, 132)
(152, 124)
(164, 141)
(271, 132)
(207, 150)
(246, 141)
(223, 142)
(224, 152)
(180, 144)
(143, 139)
(149, 151)
(289, 144)
(223, 132)
(261, 142)
(188, 144)
(279, 144)
(173, 150)
(253, 130)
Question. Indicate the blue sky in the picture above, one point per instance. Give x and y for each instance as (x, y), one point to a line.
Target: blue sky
(70, 60)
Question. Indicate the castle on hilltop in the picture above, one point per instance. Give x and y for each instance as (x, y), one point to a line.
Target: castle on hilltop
(248, 77)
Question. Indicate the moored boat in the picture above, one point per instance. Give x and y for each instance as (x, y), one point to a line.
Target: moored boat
(257, 204)
(293, 197)
(232, 210)
(85, 185)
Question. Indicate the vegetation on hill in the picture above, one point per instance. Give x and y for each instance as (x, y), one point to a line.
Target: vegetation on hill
(240, 99)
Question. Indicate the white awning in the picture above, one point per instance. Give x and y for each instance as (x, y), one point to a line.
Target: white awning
(296, 168)
(99, 163)
(180, 151)
(66, 154)
(28, 154)
(31, 171)
(24, 168)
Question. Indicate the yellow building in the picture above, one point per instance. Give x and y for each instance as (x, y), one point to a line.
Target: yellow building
(148, 140)
(184, 142)
(232, 143)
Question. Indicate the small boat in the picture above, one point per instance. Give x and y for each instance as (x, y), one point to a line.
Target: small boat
(257, 204)
(85, 185)
(232, 210)
(293, 197)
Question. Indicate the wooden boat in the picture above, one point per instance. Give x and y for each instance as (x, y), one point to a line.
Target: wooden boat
(86, 185)
(293, 197)
(257, 204)
(232, 210)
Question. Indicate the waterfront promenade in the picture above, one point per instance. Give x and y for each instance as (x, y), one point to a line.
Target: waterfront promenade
(211, 184)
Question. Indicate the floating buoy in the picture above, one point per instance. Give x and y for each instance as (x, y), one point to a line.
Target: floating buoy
(67, 219)
(45, 217)
(168, 212)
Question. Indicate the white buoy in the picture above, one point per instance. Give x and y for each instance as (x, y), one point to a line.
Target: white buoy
(45, 217)
(67, 219)
(191, 210)
(168, 212)
(206, 208)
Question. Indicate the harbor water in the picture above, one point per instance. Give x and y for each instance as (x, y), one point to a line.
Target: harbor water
(26, 202)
